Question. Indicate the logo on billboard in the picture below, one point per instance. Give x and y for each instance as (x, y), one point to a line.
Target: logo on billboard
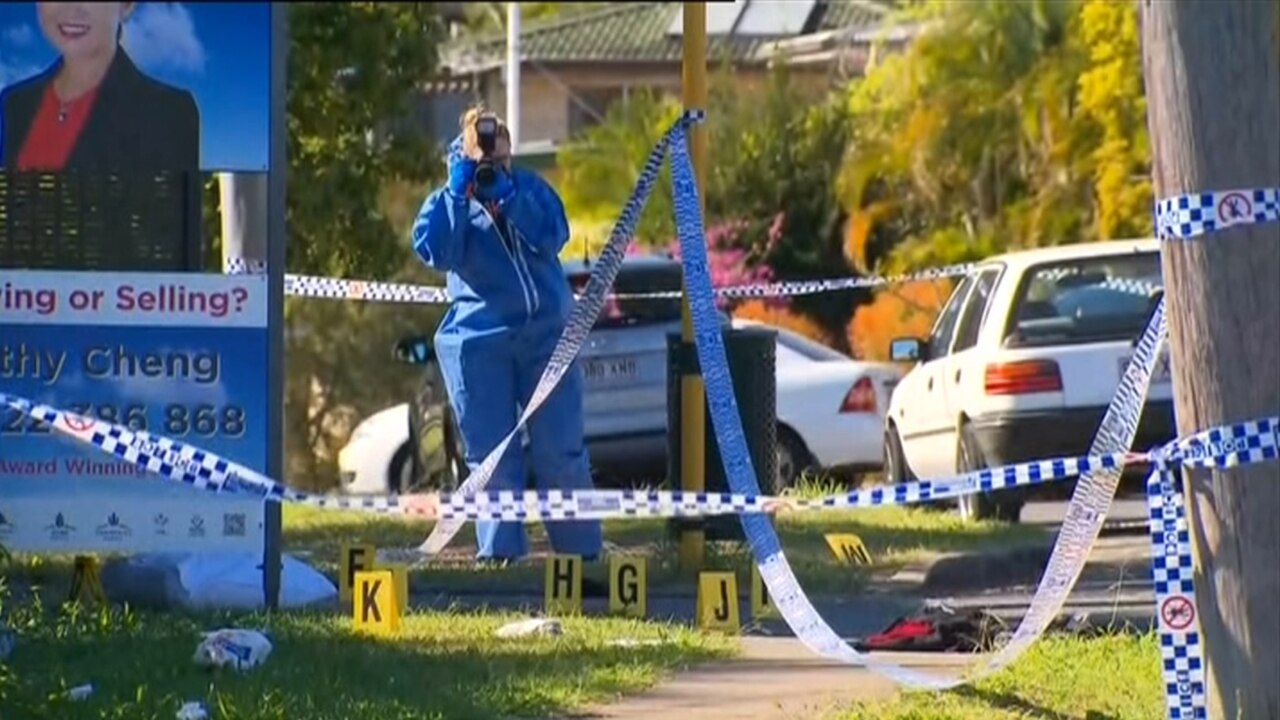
(6, 527)
(160, 524)
(59, 529)
(233, 524)
(196, 528)
(113, 529)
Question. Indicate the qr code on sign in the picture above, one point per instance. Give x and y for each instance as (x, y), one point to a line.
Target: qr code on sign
(233, 524)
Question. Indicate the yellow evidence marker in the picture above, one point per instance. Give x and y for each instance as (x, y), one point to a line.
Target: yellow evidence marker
(563, 594)
(718, 601)
(86, 582)
(628, 591)
(400, 578)
(376, 608)
(848, 548)
(352, 560)
(762, 606)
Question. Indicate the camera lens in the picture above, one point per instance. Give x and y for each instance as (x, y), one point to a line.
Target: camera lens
(485, 173)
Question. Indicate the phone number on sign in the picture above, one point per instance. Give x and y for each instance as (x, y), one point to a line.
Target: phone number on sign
(174, 420)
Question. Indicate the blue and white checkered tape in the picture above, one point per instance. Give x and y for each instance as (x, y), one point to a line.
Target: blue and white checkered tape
(179, 462)
(1242, 443)
(1187, 216)
(1181, 217)
(313, 286)
(1096, 488)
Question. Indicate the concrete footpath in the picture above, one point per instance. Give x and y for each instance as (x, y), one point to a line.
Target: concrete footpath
(774, 679)
(777, 678)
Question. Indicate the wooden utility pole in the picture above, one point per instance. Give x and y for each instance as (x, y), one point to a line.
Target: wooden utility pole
(1213, 90)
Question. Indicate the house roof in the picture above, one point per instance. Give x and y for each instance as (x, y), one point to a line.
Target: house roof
(637, 32)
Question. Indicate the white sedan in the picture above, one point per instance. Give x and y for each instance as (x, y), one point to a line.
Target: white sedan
(830, 410)
(830, 407)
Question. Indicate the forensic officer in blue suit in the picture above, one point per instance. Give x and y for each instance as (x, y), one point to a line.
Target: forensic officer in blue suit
(497, 232)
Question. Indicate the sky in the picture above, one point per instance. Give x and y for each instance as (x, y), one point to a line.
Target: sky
(218, 51)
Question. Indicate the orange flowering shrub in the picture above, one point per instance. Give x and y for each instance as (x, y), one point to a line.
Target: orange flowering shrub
(772, 314)
(906, 310)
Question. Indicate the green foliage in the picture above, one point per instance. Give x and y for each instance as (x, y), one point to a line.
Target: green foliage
(491, 17)
(1004, 125)
(774, 153)
(358, 170)
(599, 168)
(1111, 96)
(353, 70)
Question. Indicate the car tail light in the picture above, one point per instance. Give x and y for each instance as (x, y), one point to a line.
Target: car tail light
(1023, 377)
(861, 398)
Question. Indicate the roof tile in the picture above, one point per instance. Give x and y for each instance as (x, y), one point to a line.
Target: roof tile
(637, 32)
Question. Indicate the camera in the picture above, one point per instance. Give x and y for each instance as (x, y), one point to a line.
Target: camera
(487, 139)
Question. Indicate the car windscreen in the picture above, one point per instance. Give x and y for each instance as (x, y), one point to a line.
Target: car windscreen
(1087, 300)
(630, 312)
(809, 349)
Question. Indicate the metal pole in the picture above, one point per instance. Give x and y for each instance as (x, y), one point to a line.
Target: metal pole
(693, 409)
(276, 238)
(243, 200)
(513, 74)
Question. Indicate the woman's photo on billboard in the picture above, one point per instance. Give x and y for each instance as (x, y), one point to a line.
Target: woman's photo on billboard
(93, 108)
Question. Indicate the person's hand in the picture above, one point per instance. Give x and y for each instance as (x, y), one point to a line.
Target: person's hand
(501, 188)
(462, 171)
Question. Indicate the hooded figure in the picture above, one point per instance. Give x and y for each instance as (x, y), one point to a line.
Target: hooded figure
(499, 244)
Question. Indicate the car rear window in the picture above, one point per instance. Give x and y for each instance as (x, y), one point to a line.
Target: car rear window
(1087, 300)
(637, 311)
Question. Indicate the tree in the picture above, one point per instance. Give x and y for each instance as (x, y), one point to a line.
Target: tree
(907, 310)
(1003, 125)
(775, 153)
(1213, 82)
(483, 18)
(359, 166)
(599, 167)
(776, 149)
(354, 70)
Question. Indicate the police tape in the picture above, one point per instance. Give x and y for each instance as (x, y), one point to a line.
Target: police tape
(1089, 503)
(1229, 446)
(1180, 217)
(315, 286)
(1186, 217)
(187, 464)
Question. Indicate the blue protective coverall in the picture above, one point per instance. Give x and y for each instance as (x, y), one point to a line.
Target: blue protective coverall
(510, 303)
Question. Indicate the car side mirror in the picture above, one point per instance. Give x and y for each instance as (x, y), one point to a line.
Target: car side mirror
(414, 350)
(908, 350)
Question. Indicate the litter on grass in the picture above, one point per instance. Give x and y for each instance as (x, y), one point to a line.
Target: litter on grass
(233, 647)
(533, 627)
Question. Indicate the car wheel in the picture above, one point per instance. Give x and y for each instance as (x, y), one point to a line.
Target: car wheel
(400, 471)
(793, 458)
(896, 470)
(1003, 505)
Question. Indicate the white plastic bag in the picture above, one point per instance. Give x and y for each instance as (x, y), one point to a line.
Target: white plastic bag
(533, 627)
(193, 711)
(239, 649)
(230, 580)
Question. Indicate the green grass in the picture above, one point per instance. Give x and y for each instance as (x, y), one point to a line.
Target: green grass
(895, 537)
(441, 665)
(1116, 677)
